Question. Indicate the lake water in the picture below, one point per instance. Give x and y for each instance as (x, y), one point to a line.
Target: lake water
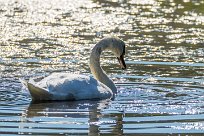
(162, 90)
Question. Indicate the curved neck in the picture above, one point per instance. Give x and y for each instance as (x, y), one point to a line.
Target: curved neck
(96, 69)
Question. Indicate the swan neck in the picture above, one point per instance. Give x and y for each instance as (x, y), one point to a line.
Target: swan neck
(96, 69)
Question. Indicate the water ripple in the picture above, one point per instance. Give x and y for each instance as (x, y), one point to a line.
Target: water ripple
(161, 90)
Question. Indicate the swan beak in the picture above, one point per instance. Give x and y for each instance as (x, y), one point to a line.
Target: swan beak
(122, 62)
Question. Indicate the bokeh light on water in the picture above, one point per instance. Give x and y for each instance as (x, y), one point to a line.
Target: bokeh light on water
(161, 91)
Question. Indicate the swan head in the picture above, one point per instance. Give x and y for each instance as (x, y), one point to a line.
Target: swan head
(117, 46)
(113, 44)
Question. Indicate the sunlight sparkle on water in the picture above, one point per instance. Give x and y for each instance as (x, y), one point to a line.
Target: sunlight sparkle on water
(160, 91)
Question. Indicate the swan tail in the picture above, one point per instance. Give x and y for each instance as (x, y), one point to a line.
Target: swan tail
(37, 93)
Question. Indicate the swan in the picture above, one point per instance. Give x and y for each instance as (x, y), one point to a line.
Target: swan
(67, 86)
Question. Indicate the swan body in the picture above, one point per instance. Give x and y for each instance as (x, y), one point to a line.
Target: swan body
(67, 86)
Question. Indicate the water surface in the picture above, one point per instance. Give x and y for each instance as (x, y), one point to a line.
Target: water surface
(160, 92)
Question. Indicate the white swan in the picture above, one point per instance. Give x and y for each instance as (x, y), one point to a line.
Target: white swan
(66, 86)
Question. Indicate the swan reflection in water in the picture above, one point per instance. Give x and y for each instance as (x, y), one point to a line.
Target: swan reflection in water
(80, 117)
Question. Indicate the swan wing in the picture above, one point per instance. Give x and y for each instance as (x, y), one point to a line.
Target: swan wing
(66, 86)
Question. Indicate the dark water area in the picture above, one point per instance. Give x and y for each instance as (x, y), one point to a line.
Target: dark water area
(162, 90)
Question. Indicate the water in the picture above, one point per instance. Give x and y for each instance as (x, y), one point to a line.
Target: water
(160, 92)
